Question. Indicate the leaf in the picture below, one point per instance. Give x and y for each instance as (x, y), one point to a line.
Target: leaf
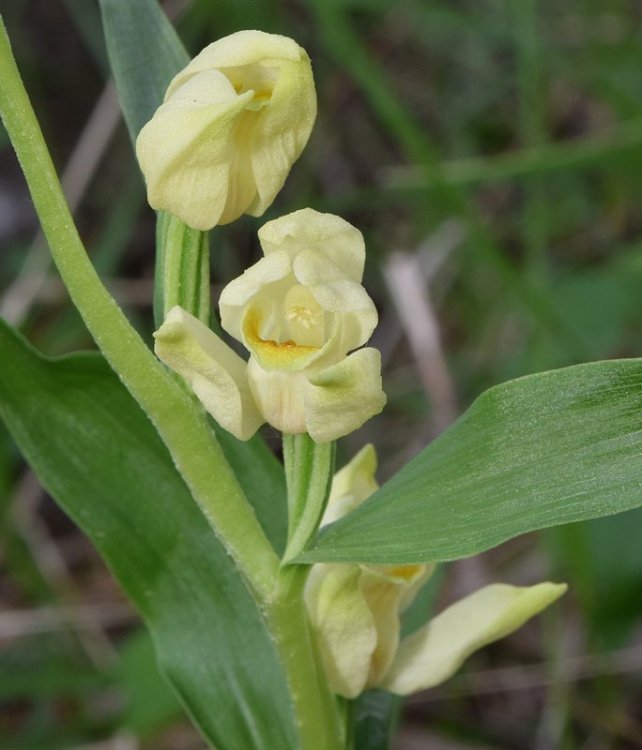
(602, 562)
(375, 716)
(99, 456)
(262, 479)
(149, 704)
(145, 53)
(535, 452)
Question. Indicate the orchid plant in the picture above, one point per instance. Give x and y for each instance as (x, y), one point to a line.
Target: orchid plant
(275, 593)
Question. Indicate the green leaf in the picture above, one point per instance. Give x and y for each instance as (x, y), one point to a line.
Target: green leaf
(262, 479)
(145, 53)
(150, 705)
(535, 452)
(375, 717)
(99, 456)
(176, 416)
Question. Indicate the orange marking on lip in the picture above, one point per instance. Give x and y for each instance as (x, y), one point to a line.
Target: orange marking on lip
(278, 354)
(403, 571)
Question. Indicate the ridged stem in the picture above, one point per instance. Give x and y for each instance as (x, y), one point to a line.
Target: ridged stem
(309, 467)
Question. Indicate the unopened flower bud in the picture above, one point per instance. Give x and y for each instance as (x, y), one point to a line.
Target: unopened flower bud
(232, 124)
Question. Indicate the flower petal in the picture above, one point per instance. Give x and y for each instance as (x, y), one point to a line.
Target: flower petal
(216, 374)
(343, 625)
(342, 397)
(384, 588)
(436, 651)
(355, 480)
(239, 292)
(281, 130)
(351, 329)
(273, 133)
(272, 355)
(355, 314)
(242, 48)
(279, 397)
(328, 235)
(233, 122)
(188, 175)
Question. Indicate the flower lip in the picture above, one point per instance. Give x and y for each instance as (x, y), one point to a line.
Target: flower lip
(401, 573)
(258, 78)
(272, 354)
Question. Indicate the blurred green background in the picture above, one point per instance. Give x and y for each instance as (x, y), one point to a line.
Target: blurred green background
(491, 152)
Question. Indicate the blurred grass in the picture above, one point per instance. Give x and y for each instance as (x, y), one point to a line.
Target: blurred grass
(499, 144)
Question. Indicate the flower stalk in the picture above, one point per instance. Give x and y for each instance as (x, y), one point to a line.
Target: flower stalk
(309, 467)
(317, 709)
(182, 269)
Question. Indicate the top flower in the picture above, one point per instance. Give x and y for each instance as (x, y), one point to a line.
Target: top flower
(232, 124)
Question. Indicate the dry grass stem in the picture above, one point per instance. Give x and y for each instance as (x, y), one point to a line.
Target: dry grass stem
(410, 294)
(534, 676)
(53, 569)
(77, 174)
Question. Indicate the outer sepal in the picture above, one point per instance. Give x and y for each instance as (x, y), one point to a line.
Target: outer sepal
(344, 396)
(215, 372)
(435, 652)
(189, 174)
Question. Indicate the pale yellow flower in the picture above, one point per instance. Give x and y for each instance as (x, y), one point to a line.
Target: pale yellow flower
(232, 124)
(301, 311)
(355, 611)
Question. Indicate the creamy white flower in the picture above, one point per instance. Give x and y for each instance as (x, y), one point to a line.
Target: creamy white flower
(232, 124)
(355, 611)
(301, 311)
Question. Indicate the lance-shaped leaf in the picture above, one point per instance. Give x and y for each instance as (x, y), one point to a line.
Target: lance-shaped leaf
(145, 53)
(99, 456)
(535, 452)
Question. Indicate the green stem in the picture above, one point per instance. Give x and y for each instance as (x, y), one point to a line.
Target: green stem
(180, 422)
(348, 709)
(622, 142)
(532, 128)
(317, 710)
(182, 269)
(308, 472)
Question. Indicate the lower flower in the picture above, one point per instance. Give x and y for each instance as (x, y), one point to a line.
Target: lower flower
(355, 611)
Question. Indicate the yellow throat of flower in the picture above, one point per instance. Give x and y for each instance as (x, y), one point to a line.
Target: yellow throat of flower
(256, 77)
(271, 354)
